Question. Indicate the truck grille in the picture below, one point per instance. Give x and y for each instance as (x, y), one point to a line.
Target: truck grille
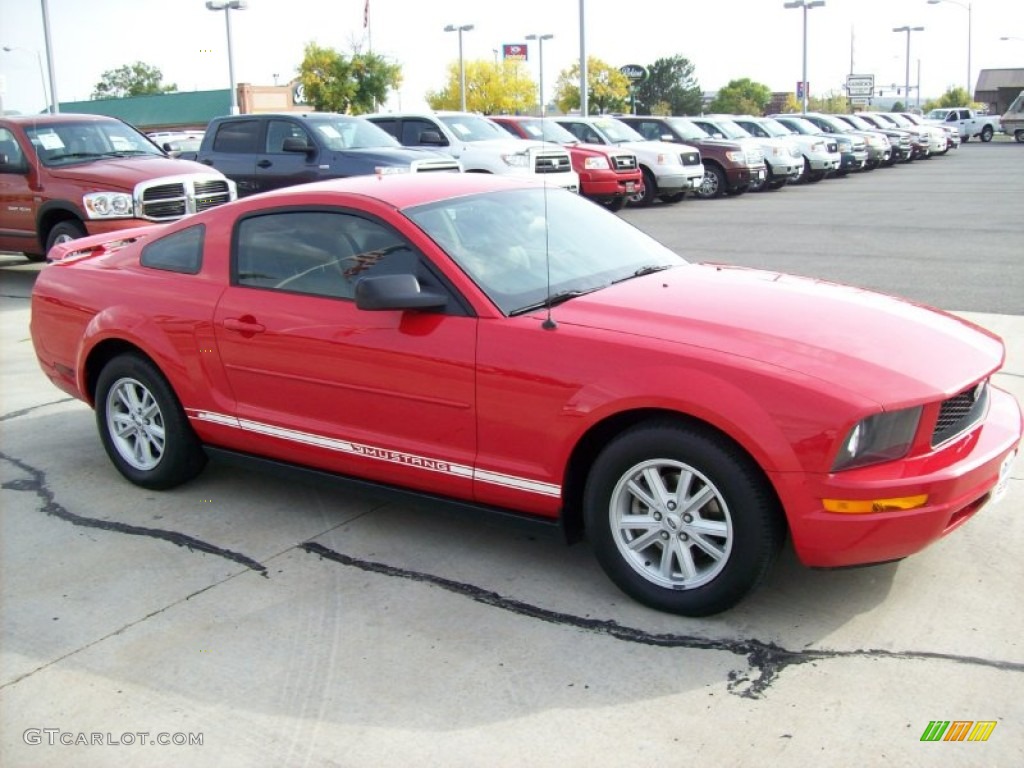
(689, 158)
(754, 156)
(624, 162)
(431, 166)
(552, 162)
(960, 412)
(173, 197)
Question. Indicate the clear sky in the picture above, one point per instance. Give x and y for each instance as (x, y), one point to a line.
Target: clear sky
(725, 39)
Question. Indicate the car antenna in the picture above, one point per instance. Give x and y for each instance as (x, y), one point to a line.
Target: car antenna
(549, 323)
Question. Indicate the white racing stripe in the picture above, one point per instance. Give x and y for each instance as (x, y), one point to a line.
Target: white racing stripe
(380, 454)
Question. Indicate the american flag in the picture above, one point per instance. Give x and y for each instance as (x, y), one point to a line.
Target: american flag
(366, 14)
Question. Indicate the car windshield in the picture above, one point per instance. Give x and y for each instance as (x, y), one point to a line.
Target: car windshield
(800, 125)
(84, 141)
(351, 133)
(688, 130)
(526, 247)
(859, 123)
(899, 120)
(473, 128)
(773, 128)
(835, 123)
(616, 131)
(548, 130)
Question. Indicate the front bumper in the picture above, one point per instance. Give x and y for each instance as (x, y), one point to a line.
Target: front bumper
(959, 478)
(824, 162)
(608, 185)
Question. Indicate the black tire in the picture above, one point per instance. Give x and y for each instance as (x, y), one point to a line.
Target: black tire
(675, 197)
(615, 204)
(986, 133)
(155, 447)
(646, 195)
(713, 185)
(815, 176)
(71, 229)
(739, 520)
(1018, 136)
(965, 139)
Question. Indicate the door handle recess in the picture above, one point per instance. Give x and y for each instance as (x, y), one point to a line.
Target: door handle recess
(243, 325)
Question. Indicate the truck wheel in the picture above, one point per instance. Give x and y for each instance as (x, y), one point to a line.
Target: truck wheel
(1018, 135)
(615, 204)
(986, 133)
(713, 184)
(64, 232)
(142, 425)
(680, 519)
(675, 197)
(650, 191)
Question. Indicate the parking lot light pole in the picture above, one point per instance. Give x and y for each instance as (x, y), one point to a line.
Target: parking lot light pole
(228, 6)
(460, 28)
(806, 5)
(540, 60)
(969, 14)
(906, 84)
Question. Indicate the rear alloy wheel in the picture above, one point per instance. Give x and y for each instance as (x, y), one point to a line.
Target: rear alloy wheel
(713, 185)
(986, 133)
(646, 195)
(143, 427)
(680, 519)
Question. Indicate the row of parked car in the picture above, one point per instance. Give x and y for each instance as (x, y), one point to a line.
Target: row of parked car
(91, 174)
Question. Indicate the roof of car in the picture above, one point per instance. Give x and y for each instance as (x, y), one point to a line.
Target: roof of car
(60, 117)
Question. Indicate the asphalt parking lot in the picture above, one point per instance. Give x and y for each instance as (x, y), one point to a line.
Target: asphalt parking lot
(299, 623)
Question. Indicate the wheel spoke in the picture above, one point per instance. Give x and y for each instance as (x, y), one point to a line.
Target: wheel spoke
(702, 497)
(709, 547)
(656, 483)
(702, 526)
(640, 543)
(682, 555)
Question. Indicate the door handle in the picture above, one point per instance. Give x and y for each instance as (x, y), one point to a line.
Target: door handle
(206, 161)
(244, 325)
(264, 164)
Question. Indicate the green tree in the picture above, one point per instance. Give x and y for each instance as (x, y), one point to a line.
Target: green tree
(336, 83)
(491, 88)
(792, 105)
(898, 107)
(832, 103)
(742, 97)
(953, 97)
(607, 88)
(669, 80)
(138, 79)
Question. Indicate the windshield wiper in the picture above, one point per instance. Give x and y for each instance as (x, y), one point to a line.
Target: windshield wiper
(650, 269)
(554, 299)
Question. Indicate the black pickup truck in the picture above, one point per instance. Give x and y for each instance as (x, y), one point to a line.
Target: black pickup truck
(267, 151)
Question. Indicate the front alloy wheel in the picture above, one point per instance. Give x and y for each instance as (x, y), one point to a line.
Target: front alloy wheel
(680, 518)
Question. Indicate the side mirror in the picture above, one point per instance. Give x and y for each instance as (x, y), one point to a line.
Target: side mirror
(390, 292)
(432, 139)
(6, 166)
(296, 144)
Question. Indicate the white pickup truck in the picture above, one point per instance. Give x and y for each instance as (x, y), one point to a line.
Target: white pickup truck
(481, 145)
(969, 122)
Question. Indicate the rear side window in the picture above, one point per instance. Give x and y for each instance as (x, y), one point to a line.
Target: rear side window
(178, 252)
(240, 136)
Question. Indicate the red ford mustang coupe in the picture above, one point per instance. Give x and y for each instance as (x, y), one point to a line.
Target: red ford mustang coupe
(518, 348)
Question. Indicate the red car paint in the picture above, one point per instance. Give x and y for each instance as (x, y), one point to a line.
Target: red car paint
(493, 409)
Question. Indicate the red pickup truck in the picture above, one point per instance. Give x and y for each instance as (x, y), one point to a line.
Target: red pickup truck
(65, 176)
(608, 175)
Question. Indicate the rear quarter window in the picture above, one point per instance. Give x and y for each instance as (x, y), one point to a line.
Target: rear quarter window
(181, 251)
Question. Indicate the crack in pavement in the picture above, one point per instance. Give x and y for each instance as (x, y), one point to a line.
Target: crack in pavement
(24, 411)
(36, 483)
(768, 660)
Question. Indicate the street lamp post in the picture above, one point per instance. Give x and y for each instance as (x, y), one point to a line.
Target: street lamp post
(540, 61)
(460, 28)
(969, 14)
(806, 5)
(228, 6)
(908, 30)
(42, 77)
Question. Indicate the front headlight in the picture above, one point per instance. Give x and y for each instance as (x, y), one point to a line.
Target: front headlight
(669, 159)
(596, 163)
(882, 437)
(517, 159)
(736, 156)
(108, 205)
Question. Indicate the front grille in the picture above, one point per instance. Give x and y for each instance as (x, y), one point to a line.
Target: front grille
(552, 163)
(624, 162)
(755, 157)
(171, 198)
(960, 412)
(689, 158)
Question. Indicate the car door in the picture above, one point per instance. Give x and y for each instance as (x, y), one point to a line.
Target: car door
(277, 168)
(17, 206)
(234, 152)
(384, 395)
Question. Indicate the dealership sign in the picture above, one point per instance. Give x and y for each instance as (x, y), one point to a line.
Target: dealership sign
(634, 72)
(515, 51)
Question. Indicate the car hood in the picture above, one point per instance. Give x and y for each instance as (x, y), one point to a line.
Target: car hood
(123, 173)
(885, 349)
(391, 155)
